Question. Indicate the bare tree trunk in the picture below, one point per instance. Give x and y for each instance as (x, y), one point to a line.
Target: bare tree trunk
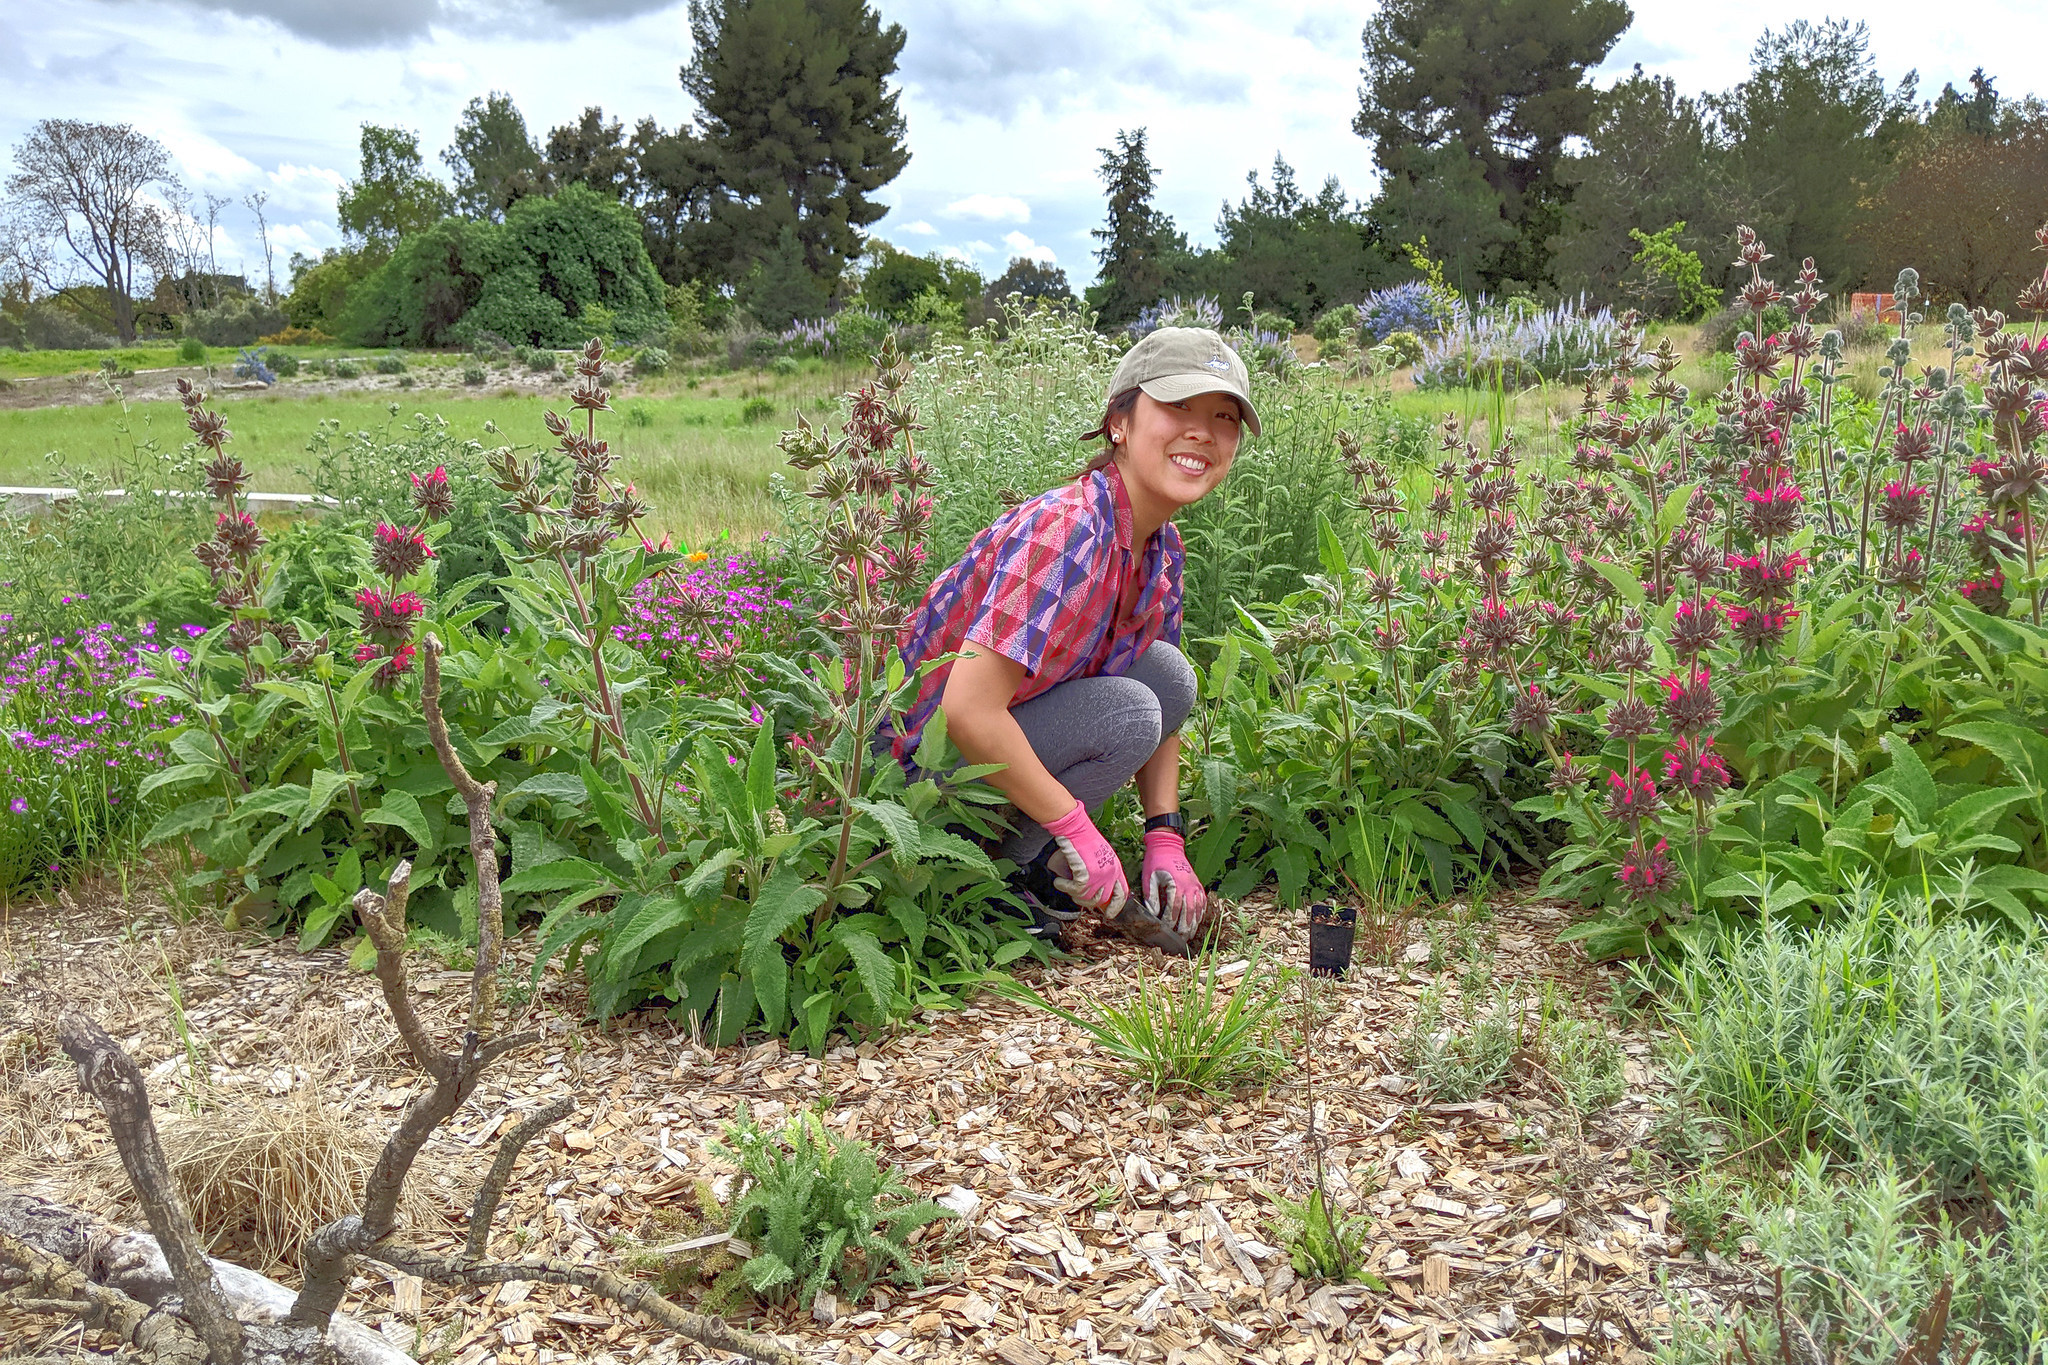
(108, 1075)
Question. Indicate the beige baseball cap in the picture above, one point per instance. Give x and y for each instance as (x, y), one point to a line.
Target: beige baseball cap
(1173, 364)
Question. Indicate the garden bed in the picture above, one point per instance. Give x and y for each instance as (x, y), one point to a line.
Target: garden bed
(1102, 1223)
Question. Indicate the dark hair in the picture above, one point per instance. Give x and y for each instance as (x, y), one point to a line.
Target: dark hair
(1123, 405)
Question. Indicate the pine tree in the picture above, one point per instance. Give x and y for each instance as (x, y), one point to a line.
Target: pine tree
(799, 124)
(1501, 82)
(1140, 245)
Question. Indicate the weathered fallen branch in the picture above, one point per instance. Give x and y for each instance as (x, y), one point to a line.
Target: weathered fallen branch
(630, 1295)
(46, 1284)
(130, 1262)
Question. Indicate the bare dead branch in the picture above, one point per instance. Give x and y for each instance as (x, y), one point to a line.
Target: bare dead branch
(483, 845)
(493, 1189)
(109, 1075)
(383, 919)
(630, 1295)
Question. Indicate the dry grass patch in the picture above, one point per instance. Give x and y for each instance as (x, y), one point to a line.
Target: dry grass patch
(262, 1176)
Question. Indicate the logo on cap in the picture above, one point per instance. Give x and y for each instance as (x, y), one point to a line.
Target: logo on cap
(1218, 364)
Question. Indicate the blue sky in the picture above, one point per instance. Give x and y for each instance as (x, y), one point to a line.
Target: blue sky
(1006, 103)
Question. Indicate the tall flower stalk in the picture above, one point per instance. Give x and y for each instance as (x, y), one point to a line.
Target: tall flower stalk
(873, 488)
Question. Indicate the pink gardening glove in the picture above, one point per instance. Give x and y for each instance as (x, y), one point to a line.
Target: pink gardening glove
(1172, 890)
(1095, 876)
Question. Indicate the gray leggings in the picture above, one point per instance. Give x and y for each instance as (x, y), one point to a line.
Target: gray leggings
(1093, 734)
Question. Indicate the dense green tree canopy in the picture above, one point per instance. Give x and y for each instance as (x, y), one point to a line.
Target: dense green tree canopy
(1297, 254)
(799, 124)
(556, 270)
(492, 158)
(1501, 83)
(1653, 158)
(1812, 132)
(391, 194)
(593, 152)
(1033, 280)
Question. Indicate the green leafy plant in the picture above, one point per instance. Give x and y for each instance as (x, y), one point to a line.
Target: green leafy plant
(1190, 1033)
(1322, 1241)
(818, 1210)
(1460, 1054)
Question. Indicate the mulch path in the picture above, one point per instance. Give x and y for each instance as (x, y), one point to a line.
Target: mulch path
(1101, 1223)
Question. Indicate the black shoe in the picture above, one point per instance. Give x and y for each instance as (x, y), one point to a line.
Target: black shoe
(1050, 908)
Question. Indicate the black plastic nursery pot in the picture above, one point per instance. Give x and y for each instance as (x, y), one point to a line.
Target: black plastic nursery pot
(1330, 929)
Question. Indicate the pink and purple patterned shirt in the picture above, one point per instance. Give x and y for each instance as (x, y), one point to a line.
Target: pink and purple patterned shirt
(1041, 587)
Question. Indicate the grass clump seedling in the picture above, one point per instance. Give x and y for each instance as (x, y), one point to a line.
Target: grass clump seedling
(1194, 1033)
(818, 1209)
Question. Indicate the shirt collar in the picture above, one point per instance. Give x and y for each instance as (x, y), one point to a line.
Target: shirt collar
(1120, 501)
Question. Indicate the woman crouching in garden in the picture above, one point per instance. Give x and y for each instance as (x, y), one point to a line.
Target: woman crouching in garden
(1067, 614)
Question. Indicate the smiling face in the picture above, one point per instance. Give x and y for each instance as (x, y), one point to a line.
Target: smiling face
(1173, 454)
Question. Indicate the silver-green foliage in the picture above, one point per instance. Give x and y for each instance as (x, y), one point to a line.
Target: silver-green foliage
(818, 1209)
(1862, 1257)
(1901, 1063)
(1888, 1033)
(1460, 1053)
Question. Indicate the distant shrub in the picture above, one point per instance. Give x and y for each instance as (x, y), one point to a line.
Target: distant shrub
(1279, 324)
(651, 360)
(345, 369)
(284, 366)
(1406, 307)
(785, 365)
(474, 376)
(295, 335)
(389, 364)
(238, 323)
(52, 329)
(1406, 348)
(406, 381)
(192, 351)
(543, 362)
(757, 410)
(1336, 324)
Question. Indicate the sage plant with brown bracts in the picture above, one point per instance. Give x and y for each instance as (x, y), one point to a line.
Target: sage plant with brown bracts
(877, 506)
(572, 534)
(389, 615)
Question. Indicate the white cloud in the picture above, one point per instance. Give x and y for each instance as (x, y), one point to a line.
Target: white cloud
(1021, 245)
(993, 208)
(920, 228)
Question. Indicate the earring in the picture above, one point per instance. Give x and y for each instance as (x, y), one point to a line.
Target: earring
(1116, 437)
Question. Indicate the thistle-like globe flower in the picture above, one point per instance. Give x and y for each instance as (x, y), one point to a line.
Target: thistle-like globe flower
(1532, 714)
(432, 495)
(1694, 629)
(1904, 506)
(238, 534)
(1630, 718)
(1645, 872)
(1690, 704)
(1633, 798)
(398, 551)
(389, 617)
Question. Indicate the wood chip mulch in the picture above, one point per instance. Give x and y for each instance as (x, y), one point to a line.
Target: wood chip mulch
(1100, 1223)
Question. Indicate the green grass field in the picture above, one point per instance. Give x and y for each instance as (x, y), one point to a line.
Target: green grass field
(691, 452)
